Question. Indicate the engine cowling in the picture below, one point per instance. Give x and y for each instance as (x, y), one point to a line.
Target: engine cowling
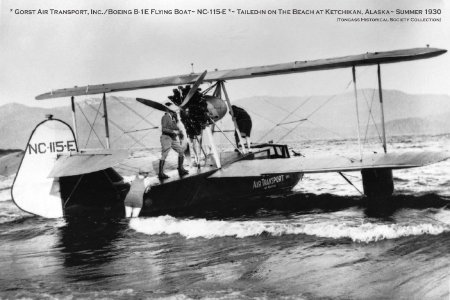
(199, 111)
(217, 108)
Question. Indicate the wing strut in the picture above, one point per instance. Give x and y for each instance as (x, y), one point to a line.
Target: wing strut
(213, 146)
(351, 183)
(357, 112)
(222, 85)
(74, 118)
(105, 113)
(380, 93)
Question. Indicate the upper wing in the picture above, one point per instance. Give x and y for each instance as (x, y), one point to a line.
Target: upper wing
(369, 58)
(86, 162)
(324, 164)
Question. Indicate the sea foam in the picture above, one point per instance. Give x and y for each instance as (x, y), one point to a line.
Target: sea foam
(334, 228)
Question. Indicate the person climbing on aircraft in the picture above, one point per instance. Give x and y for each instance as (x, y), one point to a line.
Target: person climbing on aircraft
(170, 138)
(134, 199)
(244, 123)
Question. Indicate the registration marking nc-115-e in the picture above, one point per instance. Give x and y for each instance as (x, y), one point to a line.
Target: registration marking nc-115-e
(51, 147)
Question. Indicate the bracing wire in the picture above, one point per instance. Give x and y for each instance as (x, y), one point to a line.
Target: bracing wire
(320, 107)
(368, 117)
(316, 110)
(290, 122)
(277, 106)
(307, 118)
(284, 119)
(270, 121)
(371, 117)
(142, 137)
(209, 88)
(128, 132)
(93, 125)
(135, 112)
(289, 132)
(223, 133)
(92, 128)
(120, 128)
(138, 122)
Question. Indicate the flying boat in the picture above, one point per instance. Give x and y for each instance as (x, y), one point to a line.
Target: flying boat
(56, 178)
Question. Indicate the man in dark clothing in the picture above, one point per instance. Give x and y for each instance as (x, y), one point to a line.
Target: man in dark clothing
(244, 123)
(170, 139)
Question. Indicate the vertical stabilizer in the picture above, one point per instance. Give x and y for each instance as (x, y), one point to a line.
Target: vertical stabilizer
(32, 190)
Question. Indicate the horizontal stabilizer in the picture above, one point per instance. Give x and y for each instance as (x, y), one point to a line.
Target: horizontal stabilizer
(324, 164)
(86, 162)
(365, 59)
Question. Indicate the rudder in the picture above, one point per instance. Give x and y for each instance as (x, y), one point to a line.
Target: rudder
(32, 190)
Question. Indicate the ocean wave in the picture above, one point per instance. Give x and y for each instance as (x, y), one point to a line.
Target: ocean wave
(5, 195)
(6, 217)
(5, 187)
(226, 295)
(443, 216)
(6, 181)
(69, 294)
(356, 230)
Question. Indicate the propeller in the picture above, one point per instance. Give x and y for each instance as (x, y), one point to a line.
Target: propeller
(154, 104)
(163, 108)
(193, 89)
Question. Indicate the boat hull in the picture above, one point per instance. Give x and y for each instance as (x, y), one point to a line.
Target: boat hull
(200, 191)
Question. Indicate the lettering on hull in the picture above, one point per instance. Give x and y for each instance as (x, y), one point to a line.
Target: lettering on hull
(270, 182)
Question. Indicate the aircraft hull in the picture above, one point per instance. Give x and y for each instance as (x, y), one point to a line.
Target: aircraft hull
(200, 191)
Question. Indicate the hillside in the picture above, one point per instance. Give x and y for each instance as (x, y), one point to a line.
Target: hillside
(328, 117)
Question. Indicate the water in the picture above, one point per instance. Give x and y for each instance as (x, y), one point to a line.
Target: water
(325, 242)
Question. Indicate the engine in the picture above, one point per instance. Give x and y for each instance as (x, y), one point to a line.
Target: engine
(199, 111)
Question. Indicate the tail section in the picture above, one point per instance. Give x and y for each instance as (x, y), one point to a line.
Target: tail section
(33, 191)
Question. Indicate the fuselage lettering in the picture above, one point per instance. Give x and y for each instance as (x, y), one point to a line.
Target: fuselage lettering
(267, 183)
(52, 147)
(42, 148)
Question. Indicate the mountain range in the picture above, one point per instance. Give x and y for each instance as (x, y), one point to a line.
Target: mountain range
(303, 117)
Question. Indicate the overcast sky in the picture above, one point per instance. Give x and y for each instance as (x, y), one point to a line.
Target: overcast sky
(43, 52)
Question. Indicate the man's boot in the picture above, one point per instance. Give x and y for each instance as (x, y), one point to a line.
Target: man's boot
(161, 174)
(181, 169)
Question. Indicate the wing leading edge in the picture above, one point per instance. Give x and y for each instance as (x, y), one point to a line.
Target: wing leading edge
(369, 58)
(326, 164)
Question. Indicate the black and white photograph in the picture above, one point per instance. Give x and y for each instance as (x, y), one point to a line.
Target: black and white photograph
(224, 149)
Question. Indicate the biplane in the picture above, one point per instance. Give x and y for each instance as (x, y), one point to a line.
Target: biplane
(57, 179)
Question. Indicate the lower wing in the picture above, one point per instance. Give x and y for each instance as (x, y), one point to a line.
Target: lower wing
(324, 164)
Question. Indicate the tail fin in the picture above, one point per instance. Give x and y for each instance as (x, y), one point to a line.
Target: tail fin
(32, 190)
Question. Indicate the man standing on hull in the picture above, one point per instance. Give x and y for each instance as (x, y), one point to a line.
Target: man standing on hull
(170, 138)
(244, 123)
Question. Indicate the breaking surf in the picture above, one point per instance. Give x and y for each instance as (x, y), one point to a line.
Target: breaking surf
(323, 240)
(348, 224)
